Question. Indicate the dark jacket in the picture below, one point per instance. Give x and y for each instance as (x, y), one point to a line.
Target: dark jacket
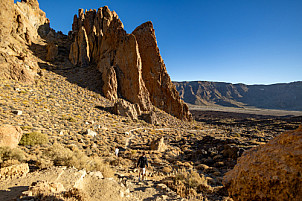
(142, 162)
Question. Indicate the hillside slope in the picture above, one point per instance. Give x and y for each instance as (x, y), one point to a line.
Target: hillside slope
(285, 96)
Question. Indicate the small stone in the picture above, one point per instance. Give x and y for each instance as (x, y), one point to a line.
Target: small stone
(17, 112)
(91, 133)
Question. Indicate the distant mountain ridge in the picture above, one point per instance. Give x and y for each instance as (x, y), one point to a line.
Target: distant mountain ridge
(283, 96)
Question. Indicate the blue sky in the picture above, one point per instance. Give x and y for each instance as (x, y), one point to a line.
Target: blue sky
(237, 41)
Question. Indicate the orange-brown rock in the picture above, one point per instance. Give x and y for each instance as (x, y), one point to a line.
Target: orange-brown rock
(124, 108)
(162, 91)
(115, 52)
(269, 172)
(10, 136)
(123, 61)
(158, 145)
(20, 25)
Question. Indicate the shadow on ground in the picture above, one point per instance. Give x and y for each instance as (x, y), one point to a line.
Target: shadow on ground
(13, 193)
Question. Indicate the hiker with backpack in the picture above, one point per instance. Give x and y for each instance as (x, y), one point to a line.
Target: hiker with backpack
(142, 164)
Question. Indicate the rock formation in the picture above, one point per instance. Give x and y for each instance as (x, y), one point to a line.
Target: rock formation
(269, 172)
(158, 145)
(10, 136)
(163, 93)
(131, 65)
(150, 118)
(124, 108)
(20, 25)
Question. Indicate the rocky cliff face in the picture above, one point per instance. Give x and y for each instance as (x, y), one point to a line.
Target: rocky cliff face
(131, 65)
(21, 24)
(275, 96)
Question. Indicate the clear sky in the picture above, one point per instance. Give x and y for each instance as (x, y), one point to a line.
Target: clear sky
(237, 41)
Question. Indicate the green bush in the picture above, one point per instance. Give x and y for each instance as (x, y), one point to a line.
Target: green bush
(7, 154)
(33, 138)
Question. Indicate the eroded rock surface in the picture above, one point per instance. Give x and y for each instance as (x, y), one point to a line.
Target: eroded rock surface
(131, 65)
(269, 172)
(124, 108)
(163, 93)
(10, 136)
(158, 145)
(21, 24)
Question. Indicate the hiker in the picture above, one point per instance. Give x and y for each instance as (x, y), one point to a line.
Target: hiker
(116, 151)
(142, 163)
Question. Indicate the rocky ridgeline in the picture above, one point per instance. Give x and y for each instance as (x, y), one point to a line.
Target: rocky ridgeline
(131, 65)
(281, 96)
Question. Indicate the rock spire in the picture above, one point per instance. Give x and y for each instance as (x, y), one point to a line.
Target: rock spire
(131, 65)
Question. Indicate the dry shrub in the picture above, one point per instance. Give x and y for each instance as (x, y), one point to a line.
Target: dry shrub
(34, 138)
(9, 163)
(191, 180)
(62, 156)
(9, 155)
(75, 194)
(43, 163)
(121, 162)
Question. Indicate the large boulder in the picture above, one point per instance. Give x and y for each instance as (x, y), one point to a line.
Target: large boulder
(150, 118)
(131, 65)
(158, 145)
(124, 108)
(10, 136)
(269, 172)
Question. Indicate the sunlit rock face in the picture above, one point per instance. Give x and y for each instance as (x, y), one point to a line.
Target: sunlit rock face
(269, 172)
(131, 65)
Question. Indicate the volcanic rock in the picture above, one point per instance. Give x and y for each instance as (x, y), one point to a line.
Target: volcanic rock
(20, 25)
(10, 136)
(269, 172)
(150, 118)
(131, 66)
(163, 93)
(158, 145)
(124, 108)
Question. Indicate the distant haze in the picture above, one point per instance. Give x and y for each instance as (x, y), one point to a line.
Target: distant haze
(251, 42)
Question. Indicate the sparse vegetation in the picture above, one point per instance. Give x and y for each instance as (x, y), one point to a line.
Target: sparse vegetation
(62, 156)
(33, 138)
(10, 156)
(187, 183)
